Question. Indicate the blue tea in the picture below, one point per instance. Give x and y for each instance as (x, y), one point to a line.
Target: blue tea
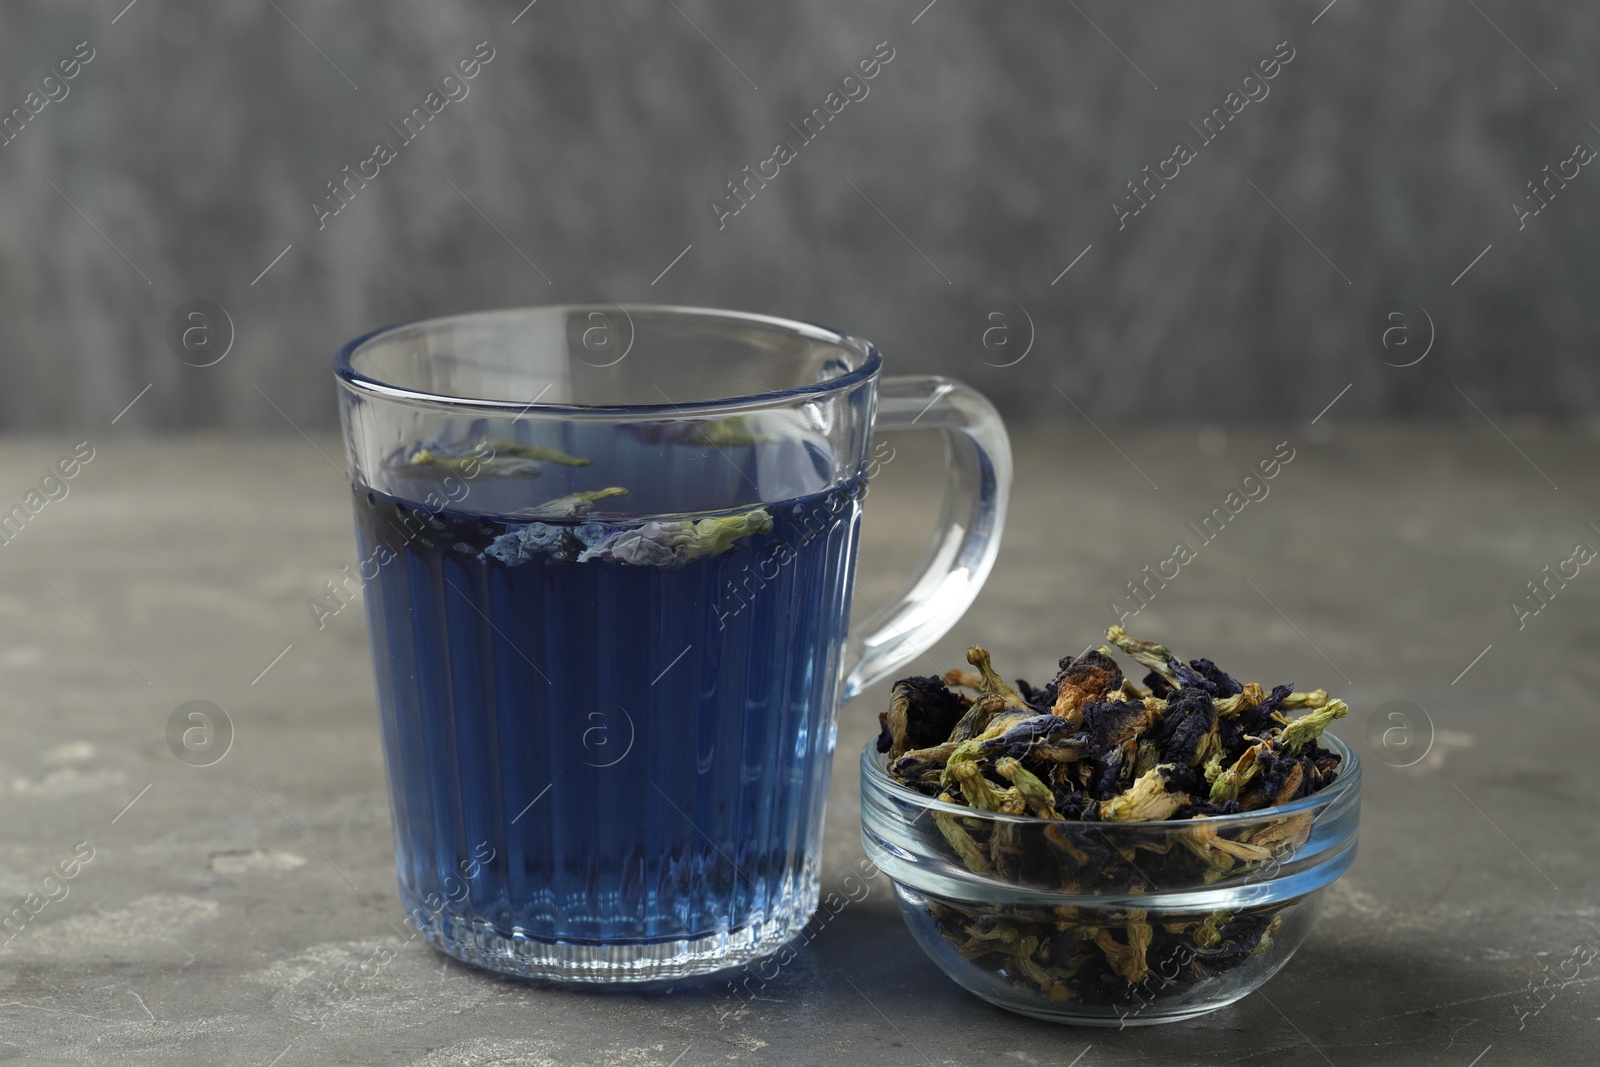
(606, 724)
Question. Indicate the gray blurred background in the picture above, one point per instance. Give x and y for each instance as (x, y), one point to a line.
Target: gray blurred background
(983, 161)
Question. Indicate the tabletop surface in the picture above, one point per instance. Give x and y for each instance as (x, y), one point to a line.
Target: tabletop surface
(219, 904)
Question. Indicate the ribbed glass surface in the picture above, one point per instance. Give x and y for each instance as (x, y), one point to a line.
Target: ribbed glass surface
(600, 769)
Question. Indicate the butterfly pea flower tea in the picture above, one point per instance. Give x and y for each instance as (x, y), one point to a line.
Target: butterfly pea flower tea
(581, 689)
(1105, 852)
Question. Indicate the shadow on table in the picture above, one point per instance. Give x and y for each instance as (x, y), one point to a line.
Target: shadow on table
(861, 980)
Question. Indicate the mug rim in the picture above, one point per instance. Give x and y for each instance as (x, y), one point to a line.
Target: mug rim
(352, 379)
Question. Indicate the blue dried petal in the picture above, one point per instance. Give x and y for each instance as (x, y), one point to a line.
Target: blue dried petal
(1198, 808)
(1159, 687)
(1182, 778)
(1020, 738)
(1111, 722)
(1279, 694)
(1042, 699)
(1240, 936)
(674, 543)
(1257, 720)
(1093, 674)
(652, 545)
(1232, 734)
(1116, 772)
(1188, 719)
(1072, 803)
(1275, 776)
(508, 549)
(1208, 676)
(1082, 847)
(523, 543)
(932, 710)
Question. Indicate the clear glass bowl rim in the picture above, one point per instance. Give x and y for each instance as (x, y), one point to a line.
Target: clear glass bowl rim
(871, 362)
(1348, 780)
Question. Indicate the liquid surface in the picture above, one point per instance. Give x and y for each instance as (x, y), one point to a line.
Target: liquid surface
(595, 734)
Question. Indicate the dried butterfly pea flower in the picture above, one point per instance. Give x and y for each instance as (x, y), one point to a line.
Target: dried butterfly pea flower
(998, 709)
(1258, 720)
(1040, 739)
(991, 684)
(1248, 698)
(1205, 841)
(523, 543)
(1188, 725)
(1082, 853)
(1115, 772)
(1226, 786)
(562, 544)
(1040, 699)
(963, 771)
(964, 679)
(1208, 676)
(1123, 960)
(1284, 834)
(569, 506)
(538, 453)
(1072, 803)
(1110, 723)
(1034, 793)
(1280, 783)
(1084, 680)
(1158, 658)
(1182, 778)
(922, 712)
(1242, 936)
(961, 841)
(1316, 698)
(1274, 755)
(1199, 743)
(1127, 958)
(1148, 800)
(986, 717)
(656, 543)
(1005, 849)
(1308, 727)
(1148, 756)
(674, 543)
(495, 458)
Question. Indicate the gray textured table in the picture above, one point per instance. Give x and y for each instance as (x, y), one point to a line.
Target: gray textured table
(219, 908)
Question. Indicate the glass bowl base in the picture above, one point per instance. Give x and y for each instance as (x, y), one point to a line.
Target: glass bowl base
(975, 945)
(1143, 1018)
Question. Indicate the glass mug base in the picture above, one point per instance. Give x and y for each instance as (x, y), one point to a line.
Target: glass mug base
(487, 945)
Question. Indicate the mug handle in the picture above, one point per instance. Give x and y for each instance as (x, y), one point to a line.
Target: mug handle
(967, 536)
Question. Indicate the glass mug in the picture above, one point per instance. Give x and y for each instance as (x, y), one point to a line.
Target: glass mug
(612, 554)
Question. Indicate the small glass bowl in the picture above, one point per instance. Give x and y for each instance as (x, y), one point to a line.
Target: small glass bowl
(1109, 924)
